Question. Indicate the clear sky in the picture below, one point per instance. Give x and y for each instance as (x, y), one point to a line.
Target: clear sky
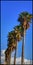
(9, 16)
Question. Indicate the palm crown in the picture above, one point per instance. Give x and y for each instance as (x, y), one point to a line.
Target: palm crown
(25, 19)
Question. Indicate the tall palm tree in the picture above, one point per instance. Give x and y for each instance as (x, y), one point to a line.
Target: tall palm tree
(11, 40)
(6, 56)
(10, 43)
(17, 36)
(14, 43)
(7, 52)
(24, 19)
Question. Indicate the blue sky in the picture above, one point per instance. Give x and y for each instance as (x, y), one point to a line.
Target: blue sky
(9, 15)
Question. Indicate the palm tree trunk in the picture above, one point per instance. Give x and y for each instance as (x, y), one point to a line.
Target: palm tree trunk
(6, 59)
(10, 56)
(15, 55)
(23, 42)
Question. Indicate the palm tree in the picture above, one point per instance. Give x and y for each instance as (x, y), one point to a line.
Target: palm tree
(17, 36)
(8, 52)
(6, 56)
(9, 49)
(24, 19)
(11, 40)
